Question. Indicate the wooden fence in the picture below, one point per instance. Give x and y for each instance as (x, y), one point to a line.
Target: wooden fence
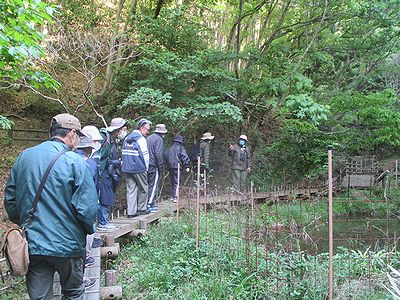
(26, 135)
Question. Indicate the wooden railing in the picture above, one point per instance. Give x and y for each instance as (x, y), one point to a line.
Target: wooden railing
(34, 135)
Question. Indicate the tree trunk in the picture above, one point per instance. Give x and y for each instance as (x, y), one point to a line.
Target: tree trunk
(158, 8)
(109, 70)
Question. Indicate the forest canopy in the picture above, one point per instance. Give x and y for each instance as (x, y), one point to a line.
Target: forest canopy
(294, 75)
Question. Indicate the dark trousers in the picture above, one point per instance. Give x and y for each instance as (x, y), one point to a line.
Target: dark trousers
(173, 174)
(39, 279)
(153, 178)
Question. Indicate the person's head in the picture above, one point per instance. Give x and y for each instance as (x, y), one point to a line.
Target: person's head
(94, 133)
(86, 144)
(118, 128)
(207, 137)
(161, 130)
(67, 128)
(144, 126)
(243, 140)
(178, 139)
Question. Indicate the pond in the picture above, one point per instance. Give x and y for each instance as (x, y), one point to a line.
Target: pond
(352, 233)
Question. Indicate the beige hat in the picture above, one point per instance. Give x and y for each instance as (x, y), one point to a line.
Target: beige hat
(207, 136)
(116, 123)
(93, 132)
(68, 121)
(243, 137)
(160, 128)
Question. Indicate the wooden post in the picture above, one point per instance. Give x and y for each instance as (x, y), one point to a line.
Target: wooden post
(110, 240)
(330, 213)
(111, 292)
(198, 205)
(177, 192)
(397, 185)
(252, 197)
(10, 136)
(110, 277)
(205, 188)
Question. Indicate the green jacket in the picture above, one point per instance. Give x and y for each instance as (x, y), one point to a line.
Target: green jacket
(240, 157)
(67, 209)
(205, 153)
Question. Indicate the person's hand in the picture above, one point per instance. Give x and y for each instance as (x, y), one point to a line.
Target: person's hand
(248, 170)
(231, 146)
(187, 169)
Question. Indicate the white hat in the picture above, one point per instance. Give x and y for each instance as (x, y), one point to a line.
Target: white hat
(93, 132)
(116, 123)
(207, 136)
(243, 137)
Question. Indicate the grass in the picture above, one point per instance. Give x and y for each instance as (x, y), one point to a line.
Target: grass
(166, 265)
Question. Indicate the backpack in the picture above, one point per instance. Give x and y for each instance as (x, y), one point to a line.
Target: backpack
(105, 150)
(195, 152)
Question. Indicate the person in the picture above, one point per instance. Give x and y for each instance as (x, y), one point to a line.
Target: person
(93, 131)
(85, 149)
(155, 145)
(110, 169)
(241, 162)
(135, 163)
(174, 155)
(205, 151)
(65, 214)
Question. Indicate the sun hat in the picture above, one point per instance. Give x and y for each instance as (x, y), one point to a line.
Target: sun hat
(243, 137)
(93, 132)
(178, 138)
(116, 123)
(207, 136)
(85, 142)
(160, 128)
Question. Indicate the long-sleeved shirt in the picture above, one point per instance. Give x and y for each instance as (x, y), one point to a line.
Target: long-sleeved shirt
(67, 209)
(155, 146)
(205, 153)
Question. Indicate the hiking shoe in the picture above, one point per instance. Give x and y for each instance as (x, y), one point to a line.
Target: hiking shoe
(175, 200)
(132, 216)
(89, 282)
(106, 227)
(97, 243)
(143, 212)
(89, 261)
(153, 209)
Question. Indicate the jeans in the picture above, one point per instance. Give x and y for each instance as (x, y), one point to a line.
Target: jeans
(39, 279)
(104, 212)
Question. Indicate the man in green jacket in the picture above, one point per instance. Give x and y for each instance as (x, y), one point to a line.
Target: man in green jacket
(241, 162)
(65, 214)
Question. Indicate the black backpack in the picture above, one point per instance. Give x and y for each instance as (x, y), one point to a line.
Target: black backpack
(195, 152)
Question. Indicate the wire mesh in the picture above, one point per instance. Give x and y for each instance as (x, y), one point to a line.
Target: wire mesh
(280, 237)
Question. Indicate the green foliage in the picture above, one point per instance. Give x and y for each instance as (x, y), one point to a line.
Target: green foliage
(22, 24)
(299, 150)
(304, 107)
(156, 267)
(175, 79)
(5, 123)
(368, 122)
